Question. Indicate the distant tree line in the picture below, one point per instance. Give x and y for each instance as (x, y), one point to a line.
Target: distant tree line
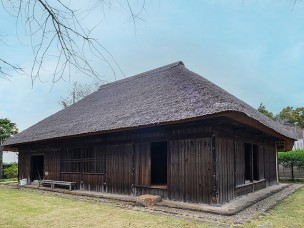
(289, 115)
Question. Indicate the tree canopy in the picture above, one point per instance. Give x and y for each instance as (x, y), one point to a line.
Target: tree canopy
(289, 115)
(262, 109)
(7, 129)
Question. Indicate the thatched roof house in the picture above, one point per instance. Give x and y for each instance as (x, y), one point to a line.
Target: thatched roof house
(165, 95)
(171, 103)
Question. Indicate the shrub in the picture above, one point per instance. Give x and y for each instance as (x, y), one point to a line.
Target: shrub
(291, 159)
(10, 171)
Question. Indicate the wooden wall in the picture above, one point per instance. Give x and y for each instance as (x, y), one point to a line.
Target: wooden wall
(142, 164)
(270, 164)
(239, 163)
(119, 168)
(225, 169)
(189, 176)
(191, 149)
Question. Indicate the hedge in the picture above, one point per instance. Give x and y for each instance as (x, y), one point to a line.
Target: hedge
(291, 159)
(10, 170)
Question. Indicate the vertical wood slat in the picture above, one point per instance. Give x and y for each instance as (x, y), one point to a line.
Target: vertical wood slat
(261, 162)
(119, 168)
(239, 163)
(225, 167)
(191, 165)
(142, 163)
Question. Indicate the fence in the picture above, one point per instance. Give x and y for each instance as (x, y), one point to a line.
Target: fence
(285, 173)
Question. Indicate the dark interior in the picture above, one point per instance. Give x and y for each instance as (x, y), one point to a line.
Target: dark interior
(159, 163)
(37, 167)
(247, 161)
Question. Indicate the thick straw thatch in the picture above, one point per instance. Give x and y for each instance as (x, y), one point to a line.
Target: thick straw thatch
(170, 93)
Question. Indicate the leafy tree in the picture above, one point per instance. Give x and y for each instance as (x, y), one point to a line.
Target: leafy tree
(294, 117)
(291, 159)
(288, 116)
(7, 129)
(262, 109)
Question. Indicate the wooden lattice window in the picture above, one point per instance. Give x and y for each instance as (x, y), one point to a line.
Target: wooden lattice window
(71, 160)
(93, 160)
(83, 160)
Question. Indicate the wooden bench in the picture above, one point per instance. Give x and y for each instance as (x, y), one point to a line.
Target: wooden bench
(53, 183)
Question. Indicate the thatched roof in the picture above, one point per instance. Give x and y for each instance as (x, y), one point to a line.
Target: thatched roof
(167, 94)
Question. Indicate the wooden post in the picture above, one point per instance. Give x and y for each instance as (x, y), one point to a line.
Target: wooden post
(1, 158)
(215, 196)
(1, 162)
(277, 166)
(251, 163)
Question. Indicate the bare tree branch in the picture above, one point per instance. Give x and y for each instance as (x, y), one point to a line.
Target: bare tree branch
(57, 35)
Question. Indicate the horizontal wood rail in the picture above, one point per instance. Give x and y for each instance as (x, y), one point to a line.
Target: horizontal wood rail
(53, 183)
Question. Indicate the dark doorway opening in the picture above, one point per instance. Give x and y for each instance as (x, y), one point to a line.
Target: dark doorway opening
(37, 167)
(248, 163)
(159, 163)
(251, 162)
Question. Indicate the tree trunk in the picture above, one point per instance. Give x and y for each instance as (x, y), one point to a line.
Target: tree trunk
(292, 174)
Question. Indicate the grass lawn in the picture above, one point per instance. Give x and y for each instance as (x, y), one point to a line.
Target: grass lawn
(288, 213)
(19, 208)
(8, 181)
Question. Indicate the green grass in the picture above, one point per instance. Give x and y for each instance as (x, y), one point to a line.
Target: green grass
(8, 181)
(288, 213)
(289, 180)
(29, 209)
(19, 208)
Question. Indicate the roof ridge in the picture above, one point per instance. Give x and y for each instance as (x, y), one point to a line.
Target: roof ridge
(143, 74)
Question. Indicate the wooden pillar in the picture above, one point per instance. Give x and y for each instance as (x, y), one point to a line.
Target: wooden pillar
(251, 163)
(277, 166)
(214, 182)
(1, 162)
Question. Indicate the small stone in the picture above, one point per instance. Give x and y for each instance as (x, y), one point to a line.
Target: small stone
(148, 200)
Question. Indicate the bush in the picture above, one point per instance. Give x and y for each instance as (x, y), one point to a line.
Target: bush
(10, 171)
(291, 159)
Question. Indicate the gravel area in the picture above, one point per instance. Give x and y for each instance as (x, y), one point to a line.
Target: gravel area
(257, 209)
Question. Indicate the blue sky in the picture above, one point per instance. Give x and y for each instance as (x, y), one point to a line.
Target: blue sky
(252, 49)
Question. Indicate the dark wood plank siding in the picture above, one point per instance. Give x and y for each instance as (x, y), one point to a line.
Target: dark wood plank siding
(24, 165)
(270, 164)
(93, 182)
(72, 177)
(239, 163)
(119, 168)
(261, 163)
(225, 169)
(189, 170)
(142, 164)
(52, 164)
